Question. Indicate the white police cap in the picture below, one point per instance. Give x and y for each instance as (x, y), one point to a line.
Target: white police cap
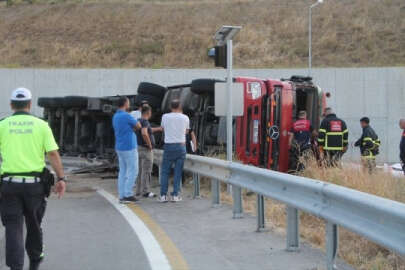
(21, 94)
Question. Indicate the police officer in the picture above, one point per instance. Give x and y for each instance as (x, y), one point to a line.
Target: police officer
(24, 140)
(402, 144)
(300, 140)
(369, 145)
(333, 138)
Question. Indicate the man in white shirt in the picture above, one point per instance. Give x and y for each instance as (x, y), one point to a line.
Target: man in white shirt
(175, 126)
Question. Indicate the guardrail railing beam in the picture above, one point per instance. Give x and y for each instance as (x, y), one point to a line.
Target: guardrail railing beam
(377, 219)
(293, 234)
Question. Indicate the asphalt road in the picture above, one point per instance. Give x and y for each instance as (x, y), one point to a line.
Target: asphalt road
(86, 231)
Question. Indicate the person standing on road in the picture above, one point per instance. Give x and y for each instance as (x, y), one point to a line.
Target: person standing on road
(126, 147)
(175, 127)
(25, 181)
(146, 143)
(402, 144)
(333, 138)
(369, 145)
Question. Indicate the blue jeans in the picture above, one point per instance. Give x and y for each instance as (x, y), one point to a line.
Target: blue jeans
(174, 153)
(128, 172)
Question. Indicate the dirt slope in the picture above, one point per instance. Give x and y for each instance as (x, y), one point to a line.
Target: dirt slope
(178, 33)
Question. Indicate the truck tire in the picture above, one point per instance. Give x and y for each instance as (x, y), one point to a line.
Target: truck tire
(204, 86)
(76, 101)
(153, 101)
(151, 89)
(44, 102)
(189, 101)
(48, 102)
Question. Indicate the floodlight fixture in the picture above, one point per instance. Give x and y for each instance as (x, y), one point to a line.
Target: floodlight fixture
(226, 33)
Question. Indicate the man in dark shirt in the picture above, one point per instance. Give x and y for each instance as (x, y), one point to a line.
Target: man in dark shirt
(402, 144)
(300, 141)
(301, 131)
(369, 145)
(146, 143)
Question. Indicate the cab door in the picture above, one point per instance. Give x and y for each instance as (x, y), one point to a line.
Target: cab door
(249, 130)
(278, 123)
(272, 125)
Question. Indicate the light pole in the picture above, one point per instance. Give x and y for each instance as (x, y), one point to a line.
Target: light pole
(310, 36)
(223, 37)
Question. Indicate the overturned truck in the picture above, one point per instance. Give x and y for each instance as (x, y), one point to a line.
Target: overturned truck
(83, 125)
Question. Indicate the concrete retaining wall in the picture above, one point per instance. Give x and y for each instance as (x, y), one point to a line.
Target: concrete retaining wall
(375, 92)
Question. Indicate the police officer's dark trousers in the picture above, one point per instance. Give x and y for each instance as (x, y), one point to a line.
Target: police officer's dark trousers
(19, 201)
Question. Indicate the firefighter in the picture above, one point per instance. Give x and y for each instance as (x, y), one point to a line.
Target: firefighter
(369, 145)
(300, 140)
(333, 138)
(402, 144)
(25, 181)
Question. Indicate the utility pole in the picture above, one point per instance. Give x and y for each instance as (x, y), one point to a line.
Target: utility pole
(310, 36)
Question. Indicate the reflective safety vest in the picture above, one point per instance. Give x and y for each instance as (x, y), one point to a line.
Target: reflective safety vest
(333, 134)
(24, 140)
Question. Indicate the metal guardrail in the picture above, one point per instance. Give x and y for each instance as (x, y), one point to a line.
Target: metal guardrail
(377, 219)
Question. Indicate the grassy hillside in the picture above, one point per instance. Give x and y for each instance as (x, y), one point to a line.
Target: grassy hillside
(141, 33)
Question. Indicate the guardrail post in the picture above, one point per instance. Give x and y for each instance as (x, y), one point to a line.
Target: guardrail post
(237, 202)
(260, 213)
(332, 241)
(215, 192)
(293, 240)
(196, 180)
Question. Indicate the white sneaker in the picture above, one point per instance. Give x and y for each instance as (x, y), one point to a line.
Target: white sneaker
(163, 199)
(176, 199)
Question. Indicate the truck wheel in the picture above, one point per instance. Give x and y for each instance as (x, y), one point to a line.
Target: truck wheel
(47, 102)
(76, 101)
(151, 89)
(153, 101)
(190, 101)
(44, 102)
(203, 86)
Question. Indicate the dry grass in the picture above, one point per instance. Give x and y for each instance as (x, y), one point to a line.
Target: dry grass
(355, 250)
(173, 33)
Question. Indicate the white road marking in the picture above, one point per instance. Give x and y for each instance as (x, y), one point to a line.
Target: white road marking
(156, 256)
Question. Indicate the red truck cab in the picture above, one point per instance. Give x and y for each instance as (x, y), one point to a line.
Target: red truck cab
(270, 108)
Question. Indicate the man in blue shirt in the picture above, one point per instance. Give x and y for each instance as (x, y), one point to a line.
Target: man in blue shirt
(126, 147)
